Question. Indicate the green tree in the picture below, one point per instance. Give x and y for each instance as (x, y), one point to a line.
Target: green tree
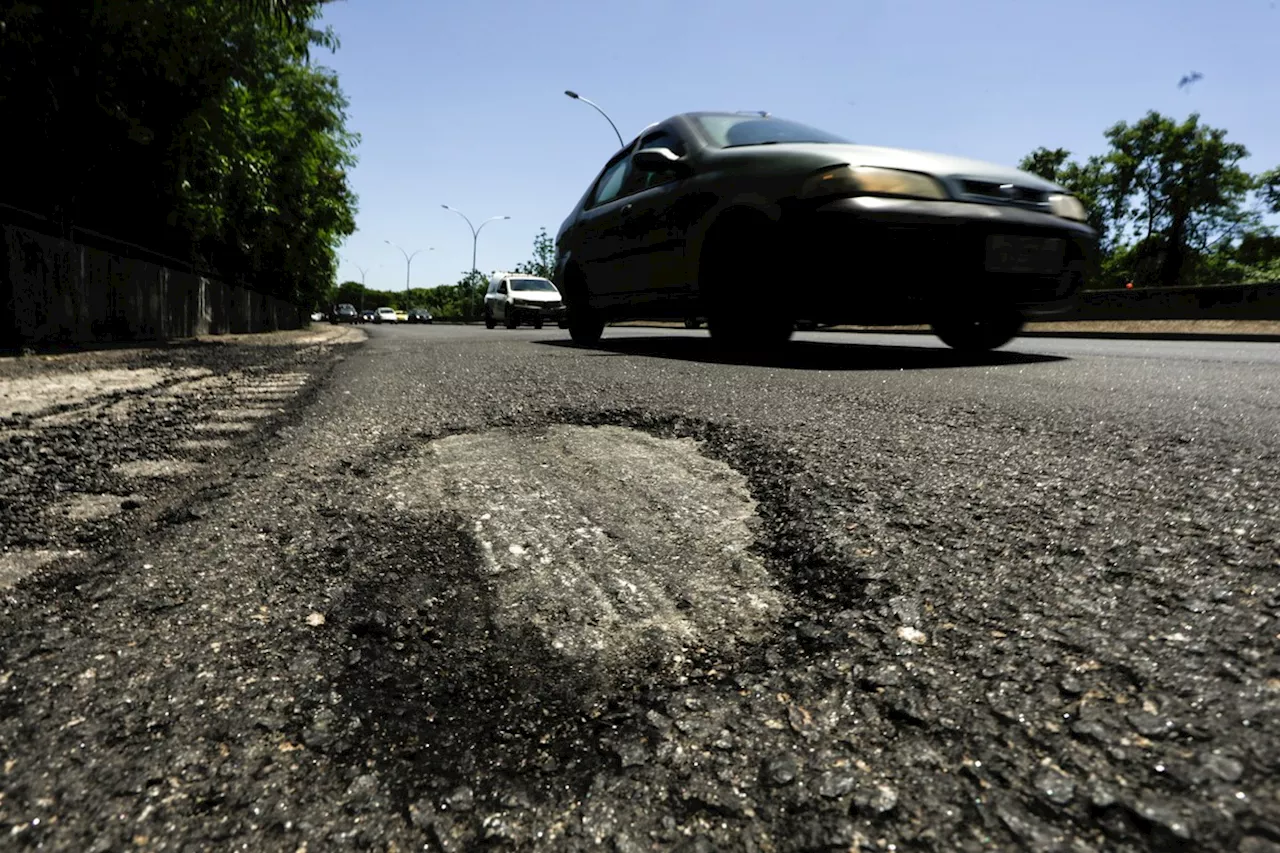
(200, 130)
(1268, 187)
(543, 262)
(1177, 189)
(1168, 200)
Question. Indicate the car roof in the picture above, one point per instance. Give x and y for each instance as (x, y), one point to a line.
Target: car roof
(742, 113)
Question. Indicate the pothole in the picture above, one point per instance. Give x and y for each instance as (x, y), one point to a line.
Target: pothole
(609, 541)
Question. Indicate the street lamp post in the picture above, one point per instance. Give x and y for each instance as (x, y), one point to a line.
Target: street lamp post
(408, 264)
(475, 232)
(363, 272)
(588, 102)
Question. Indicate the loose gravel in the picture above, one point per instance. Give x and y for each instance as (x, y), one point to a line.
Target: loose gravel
(1014, 603)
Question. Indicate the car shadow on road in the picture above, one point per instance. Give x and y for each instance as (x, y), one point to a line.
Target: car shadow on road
(806, 355)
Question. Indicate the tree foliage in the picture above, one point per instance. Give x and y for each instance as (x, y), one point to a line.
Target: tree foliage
(1169, 200)
(543, 262)
(200, 130)
(463, 302)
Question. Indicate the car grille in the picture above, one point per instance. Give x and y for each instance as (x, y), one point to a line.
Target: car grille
(990, 192)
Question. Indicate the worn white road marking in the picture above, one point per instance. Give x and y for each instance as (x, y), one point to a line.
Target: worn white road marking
(156, 468)
(226, 426)
(608, 540)
(16, 565)
(83, 507)
(34, 394)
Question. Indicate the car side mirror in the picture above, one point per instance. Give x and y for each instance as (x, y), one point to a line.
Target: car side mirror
(660, 160)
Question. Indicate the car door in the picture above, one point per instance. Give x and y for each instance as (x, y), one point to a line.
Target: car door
(604, 246)
(654, 233)
(500, 299)
(490, 291)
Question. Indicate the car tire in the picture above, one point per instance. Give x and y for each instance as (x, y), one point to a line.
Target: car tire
(585, 328)
(489, 322)
(739, 318)
(584, 323)
(978, 333)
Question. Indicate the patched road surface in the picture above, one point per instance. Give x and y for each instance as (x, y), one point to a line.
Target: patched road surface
(457, 589)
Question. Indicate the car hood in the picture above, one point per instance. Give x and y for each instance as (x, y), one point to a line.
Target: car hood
(535, 295)
(929, 162)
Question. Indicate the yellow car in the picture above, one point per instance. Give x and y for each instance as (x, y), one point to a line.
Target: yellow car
(402, 316)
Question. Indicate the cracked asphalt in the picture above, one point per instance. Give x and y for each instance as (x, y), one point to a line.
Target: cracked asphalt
(463, 589)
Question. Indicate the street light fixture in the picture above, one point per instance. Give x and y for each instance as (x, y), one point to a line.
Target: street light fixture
(587, 101)
(475, 232)
(363, 272)
(408, 264)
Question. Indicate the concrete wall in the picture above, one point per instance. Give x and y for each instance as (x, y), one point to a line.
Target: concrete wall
(56, 292)
(1219, 302)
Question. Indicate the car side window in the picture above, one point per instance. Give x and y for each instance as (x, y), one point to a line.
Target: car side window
(610, 186)
(502, 288)
(640, 181)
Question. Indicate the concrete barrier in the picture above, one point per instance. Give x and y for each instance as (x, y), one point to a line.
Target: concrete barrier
(55, 292)
(1215, 302)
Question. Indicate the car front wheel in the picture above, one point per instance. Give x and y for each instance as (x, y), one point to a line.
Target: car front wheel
(737, 287)
(981, 332)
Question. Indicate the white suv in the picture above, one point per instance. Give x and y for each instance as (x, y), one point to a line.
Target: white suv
(515, 298)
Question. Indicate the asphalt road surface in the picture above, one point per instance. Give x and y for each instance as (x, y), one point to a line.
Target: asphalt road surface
(484, 588)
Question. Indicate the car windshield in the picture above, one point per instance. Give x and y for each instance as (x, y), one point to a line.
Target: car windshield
(531, 284)
(732, 131)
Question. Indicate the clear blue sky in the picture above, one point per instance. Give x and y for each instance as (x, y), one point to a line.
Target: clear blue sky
(462, 103)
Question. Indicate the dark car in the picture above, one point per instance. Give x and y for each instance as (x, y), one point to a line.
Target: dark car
(419, 315)
(367, 315)
(758, 223)
(345, 313)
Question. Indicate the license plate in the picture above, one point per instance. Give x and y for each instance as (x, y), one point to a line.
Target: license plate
(1025, 255)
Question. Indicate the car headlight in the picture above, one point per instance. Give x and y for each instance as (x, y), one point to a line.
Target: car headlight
(872, 180)
(1068, 207)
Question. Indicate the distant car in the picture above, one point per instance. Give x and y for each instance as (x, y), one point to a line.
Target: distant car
(385, 315)
(419, 315)
(402, 316)
(514, 298)
(367, 316)
(345, 313)
(757, 223)
(317, 316)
